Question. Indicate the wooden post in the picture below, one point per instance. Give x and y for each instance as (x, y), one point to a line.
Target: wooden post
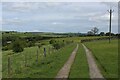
(9, 66)
(25, 61)
(52, 50)
(44, 52)
(49, 50)
(37, 57)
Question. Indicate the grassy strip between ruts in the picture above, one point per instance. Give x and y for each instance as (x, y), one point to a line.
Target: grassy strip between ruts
(79, 68)
(47, 67)
(106, 55)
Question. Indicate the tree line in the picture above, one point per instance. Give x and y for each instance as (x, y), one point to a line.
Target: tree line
(8, 40)
(94, 32)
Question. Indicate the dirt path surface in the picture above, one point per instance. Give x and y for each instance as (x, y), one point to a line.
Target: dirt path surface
(64, 71)
(93, 69)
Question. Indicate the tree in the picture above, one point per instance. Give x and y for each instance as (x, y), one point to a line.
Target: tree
(102, 33)
(108, 33)
(90, 33)
(95, 30)
(17, 46)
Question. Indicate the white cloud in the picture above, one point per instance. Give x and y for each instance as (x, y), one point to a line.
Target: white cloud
(56, 23)
(110, 4)
(35, 31)
(20, 6)
(62, 15)
(30, 6)
(14, 21)
(103, 17)
(100, 18)
(0, 21)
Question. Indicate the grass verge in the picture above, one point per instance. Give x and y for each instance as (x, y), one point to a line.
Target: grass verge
(47, 67)
(106, 56)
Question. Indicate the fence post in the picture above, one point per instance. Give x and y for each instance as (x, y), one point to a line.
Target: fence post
(9, 66)
(52, 50)
(37, 57)
(44, 52)
(49, 50)
(25, 61)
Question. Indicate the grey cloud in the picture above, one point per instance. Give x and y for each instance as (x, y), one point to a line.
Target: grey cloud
(110, 4)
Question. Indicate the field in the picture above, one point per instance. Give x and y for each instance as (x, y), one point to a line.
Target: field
(29, 64)
(106, 56)
(78, 39)
(47, 66)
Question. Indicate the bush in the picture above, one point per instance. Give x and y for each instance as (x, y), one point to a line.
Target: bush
(7, 47)
(39, 45)
(4, 48)
(17, 46)
(52, 41)
(56, 46)
(30, 44)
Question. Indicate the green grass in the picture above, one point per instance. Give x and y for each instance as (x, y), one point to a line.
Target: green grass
(79, 68)
(0, 64)
(46, 67)
(106, 56)
(78, 39)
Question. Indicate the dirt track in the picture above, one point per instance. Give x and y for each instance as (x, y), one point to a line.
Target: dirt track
(64, 71)
(93, 69)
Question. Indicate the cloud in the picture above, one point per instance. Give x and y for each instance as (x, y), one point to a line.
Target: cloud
(14, 21)
(58, 23)
(35, 31)
(54, 23)
(99, 17)
(103, 17)
(54, 16)
(58, 0)
(19, 6)
(110, 4)
(29, 6)
(0, 21)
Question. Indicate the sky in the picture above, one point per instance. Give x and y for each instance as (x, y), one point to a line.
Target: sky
(58, 16)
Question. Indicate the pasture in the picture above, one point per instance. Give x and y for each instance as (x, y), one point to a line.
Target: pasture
(29, 64)
(47, 66)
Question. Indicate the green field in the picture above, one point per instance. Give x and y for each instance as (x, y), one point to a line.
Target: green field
(106, 56)
(78, 39)
(79, 68)
(47, 67)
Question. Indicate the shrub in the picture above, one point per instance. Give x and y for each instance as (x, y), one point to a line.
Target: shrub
(52, 41)
(17, 46)
(56, 46)
(39, 45)
(30, 44)
(4, 48)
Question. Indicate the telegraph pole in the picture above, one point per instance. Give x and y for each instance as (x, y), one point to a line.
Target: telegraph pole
(110, 11)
